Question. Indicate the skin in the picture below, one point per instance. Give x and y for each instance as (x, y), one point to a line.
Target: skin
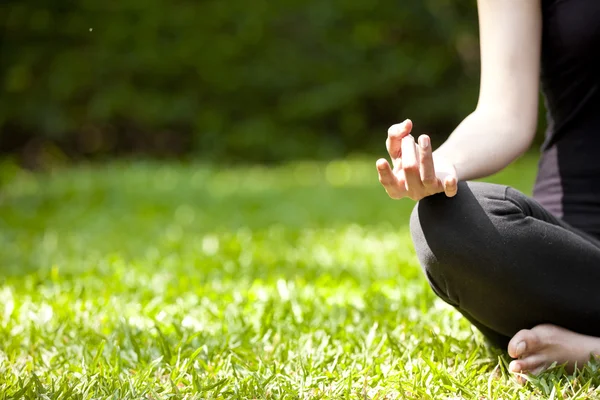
(534, 350)
(497, 132)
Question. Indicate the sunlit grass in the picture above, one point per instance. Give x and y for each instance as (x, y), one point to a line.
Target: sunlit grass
(146, 280)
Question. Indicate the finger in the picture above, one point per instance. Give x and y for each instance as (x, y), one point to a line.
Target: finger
(450, 186)
(394, 141)
(396, 133)
(388, 179)
(426, 160)
(410, 164)
(396, 161)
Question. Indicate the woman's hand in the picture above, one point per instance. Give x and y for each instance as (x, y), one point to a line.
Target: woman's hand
(414, 174)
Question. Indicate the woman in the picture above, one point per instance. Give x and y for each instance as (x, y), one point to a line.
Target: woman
(526, 272)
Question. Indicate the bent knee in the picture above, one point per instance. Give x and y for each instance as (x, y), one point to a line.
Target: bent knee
(433, 263)
(443, 216)
(452, 235)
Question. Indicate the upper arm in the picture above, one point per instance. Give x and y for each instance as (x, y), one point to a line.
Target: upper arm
(510, 40)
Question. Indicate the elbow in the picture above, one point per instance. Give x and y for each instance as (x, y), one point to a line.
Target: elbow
(523, 143)
(523, 136)
(518, 128)
(520, 140)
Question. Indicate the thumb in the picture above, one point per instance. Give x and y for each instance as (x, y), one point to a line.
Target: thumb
(450, 186)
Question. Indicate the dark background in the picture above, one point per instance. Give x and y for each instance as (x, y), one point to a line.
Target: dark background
(230, 80)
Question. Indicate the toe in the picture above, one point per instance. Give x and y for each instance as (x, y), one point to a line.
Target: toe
(515, 367)
(531, 365)
(524, 342)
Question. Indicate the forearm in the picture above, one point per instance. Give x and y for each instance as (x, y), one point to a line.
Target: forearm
(483, 144)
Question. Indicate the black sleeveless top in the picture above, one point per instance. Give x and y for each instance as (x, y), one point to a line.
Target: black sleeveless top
(568, 181)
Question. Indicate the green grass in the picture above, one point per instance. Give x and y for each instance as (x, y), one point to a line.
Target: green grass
(146, 280)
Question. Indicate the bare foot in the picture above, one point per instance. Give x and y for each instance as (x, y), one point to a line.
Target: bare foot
(537, 349)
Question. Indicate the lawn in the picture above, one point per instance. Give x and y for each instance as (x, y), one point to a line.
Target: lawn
(148, 280)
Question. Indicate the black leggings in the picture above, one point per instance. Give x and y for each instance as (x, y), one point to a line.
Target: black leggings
(506, 263)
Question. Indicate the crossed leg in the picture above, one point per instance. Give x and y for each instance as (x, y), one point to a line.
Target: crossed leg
(515, 271)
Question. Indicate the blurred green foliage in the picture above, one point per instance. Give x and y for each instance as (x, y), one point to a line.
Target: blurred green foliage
(236, 80)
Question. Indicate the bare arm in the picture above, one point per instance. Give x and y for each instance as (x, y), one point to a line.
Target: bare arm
(502, 126)
(504, 123)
